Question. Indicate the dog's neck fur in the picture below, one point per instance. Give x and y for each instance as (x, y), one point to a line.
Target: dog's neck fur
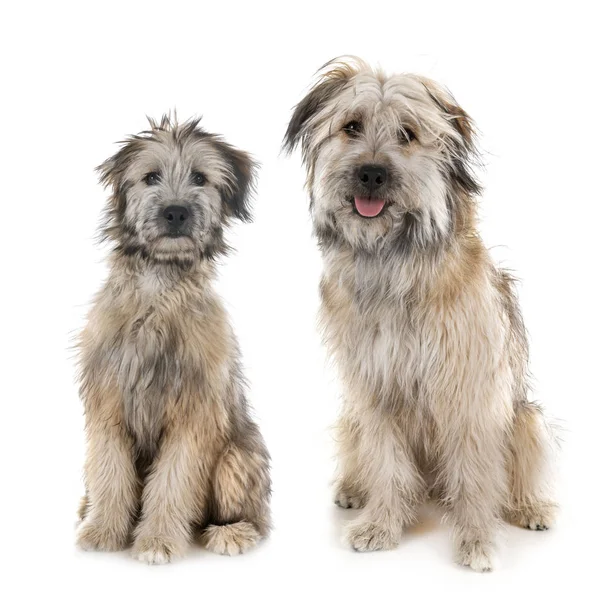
(151, 279)
(409, 276)
(409, 270)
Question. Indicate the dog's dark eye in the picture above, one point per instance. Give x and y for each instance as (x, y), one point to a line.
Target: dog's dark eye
(353, 128)
(198, 179)
(152, 178)
(406, 135)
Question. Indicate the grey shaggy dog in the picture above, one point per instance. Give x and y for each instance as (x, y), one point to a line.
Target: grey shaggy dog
(425, 329)
(171, 445)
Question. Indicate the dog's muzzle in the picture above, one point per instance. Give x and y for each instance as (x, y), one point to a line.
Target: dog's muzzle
(372, 179)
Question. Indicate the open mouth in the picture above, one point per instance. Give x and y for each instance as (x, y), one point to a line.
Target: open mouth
(367, 206)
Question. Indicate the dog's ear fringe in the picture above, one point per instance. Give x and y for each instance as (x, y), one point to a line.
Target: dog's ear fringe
(111, 171)
(465, 152)
(456, 115)
(333, 76)
(237, 194)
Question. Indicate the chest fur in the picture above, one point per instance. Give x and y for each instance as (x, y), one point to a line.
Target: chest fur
(161, 358)
(378, 346)
(412, 345)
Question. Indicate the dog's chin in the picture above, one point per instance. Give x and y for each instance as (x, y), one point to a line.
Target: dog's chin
(174, 249)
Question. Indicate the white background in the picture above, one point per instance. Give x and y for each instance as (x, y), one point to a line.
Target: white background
(77, 77)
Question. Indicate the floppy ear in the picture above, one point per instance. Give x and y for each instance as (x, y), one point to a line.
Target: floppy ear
(325, 89)
(237, 193)
(456, 115)
(112, 172)
(463, 148)
(462, 123)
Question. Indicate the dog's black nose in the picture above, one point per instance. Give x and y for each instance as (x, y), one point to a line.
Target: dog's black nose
(372, 176)
(176, 216)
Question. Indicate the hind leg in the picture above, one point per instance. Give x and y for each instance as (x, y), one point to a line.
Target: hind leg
(529, 503)
(241, 492)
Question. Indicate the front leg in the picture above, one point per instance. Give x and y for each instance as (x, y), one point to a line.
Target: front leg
(174, 497)
(394, 484)
(349, 489)
(112, 485)
(473, 479)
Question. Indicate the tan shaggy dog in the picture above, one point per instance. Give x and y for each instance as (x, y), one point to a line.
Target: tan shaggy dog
(425, 329)
(171, 445)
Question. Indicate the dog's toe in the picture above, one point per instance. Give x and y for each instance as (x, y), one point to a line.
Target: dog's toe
(537, 516)
(230, 540)
(475, 555)
(346, 500)
(93, 536)
(371, 536)
(155, 550)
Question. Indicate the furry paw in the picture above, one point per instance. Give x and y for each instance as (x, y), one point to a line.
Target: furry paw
(346, 500)
(370, 536)
(156, 550)
(537, 516)
(476, 555)
(93, 536)
(231, 539)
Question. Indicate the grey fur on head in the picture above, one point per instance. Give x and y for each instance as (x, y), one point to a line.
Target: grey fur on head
(406, 123)
(176, 153)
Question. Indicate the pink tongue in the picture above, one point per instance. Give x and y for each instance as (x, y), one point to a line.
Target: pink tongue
(368, 207)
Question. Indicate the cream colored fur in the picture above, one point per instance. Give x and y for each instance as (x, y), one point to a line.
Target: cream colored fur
(425, 330)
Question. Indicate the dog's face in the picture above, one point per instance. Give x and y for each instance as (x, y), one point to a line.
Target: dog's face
(175, 187)
(388, 158)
